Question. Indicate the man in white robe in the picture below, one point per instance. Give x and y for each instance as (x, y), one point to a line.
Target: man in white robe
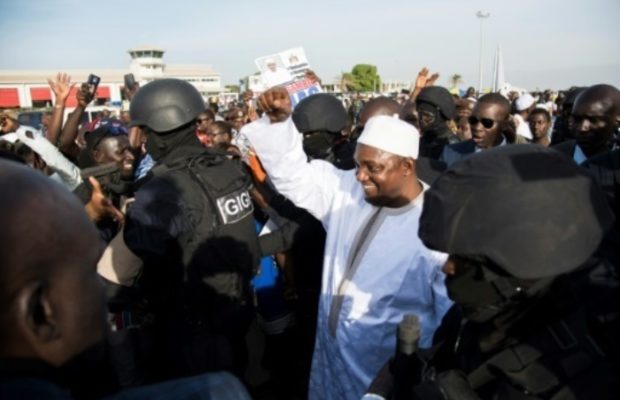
(375, 267)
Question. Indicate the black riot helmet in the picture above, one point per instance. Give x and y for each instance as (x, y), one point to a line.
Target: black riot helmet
(440, 98)
(320, 118)
(512, 219)
(320, 112)
(165, 104)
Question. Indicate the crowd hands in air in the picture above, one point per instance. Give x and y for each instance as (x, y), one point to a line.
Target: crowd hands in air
(259, 251)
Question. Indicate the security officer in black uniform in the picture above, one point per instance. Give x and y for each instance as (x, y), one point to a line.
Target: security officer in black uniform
(322, 119)
(435, 106)
(192, 226)
(519, 328)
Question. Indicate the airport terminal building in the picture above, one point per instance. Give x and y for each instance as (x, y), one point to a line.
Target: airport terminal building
(29, 88)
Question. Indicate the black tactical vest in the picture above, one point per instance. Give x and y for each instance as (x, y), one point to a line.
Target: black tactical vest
(219, 253)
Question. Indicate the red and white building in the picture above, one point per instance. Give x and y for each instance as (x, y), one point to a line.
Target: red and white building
(29, 88)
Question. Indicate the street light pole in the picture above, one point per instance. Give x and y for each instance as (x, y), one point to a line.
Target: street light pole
(481, 16)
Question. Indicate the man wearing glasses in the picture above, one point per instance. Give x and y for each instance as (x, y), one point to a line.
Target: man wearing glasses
(489, 122)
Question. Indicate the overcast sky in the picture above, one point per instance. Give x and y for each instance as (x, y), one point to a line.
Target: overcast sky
(545, 43)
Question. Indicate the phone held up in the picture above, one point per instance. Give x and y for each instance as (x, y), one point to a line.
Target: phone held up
(130, 81)
(93, 83)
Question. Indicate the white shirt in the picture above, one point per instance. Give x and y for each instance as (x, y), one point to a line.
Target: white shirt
(13, 136)
(65, 172)
(363, 297)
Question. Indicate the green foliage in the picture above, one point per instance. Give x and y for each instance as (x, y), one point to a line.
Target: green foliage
(347, 83)
(232, 88)
(365, 78)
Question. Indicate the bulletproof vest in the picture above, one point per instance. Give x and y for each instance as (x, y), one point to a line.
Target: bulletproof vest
(220, 253)
(545, 364)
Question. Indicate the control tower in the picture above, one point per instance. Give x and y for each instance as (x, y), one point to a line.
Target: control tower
(147, 63)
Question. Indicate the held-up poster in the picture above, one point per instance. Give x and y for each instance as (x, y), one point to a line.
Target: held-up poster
(288, 68)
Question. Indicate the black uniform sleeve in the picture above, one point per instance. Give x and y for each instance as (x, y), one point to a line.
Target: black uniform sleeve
(154, 219)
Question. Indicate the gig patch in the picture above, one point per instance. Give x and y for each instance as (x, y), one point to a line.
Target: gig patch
(235, 206)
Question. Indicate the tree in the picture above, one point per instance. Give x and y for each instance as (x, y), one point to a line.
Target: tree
(366, 78)
(455, 80)
(233, 88)
(347, 83)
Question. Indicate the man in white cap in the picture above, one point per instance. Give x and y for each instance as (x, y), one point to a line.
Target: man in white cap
(524, 104)
(375, 267)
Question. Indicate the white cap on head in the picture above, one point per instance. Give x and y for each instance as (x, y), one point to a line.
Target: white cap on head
(392, 135)
(524, 102)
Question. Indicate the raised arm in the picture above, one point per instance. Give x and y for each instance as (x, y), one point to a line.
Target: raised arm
(66, 142)
(422, 81)
(69, 173)
(61, 87)
(278, 144)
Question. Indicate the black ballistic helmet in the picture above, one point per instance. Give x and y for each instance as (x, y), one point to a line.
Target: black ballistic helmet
(165, 104)
(530, 210)
(320, 112)
(441, 98)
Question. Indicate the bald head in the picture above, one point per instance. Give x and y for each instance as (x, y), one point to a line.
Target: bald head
(49, 289)
(379, 106)
(595, 117)
(36, 214)
(607, 96)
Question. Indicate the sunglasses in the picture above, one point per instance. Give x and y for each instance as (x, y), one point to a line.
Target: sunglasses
(486, 122)
(202, 119)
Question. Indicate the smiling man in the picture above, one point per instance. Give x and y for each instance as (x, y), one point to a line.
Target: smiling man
(488, 121)
(372, 252)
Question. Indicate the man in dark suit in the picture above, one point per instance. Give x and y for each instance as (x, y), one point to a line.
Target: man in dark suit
(489, 122)
(595, 118)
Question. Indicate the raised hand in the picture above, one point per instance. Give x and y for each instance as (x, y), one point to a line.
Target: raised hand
(61, 87)
(84, 95)
(311, 75)
(423, 80)
(431, 81)
(276, 103)
(420, 80)
(99, 206)
(130, 92)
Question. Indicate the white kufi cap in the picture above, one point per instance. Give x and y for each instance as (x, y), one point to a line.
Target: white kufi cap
(392, 135)
(524, 102)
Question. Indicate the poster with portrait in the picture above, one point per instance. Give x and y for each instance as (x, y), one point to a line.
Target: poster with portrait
(288, 68)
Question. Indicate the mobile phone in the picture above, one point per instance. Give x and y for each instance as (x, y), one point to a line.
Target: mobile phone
(93, 83)
(130, 81)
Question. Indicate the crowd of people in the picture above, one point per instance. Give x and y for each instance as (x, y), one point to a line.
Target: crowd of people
(421, 245)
